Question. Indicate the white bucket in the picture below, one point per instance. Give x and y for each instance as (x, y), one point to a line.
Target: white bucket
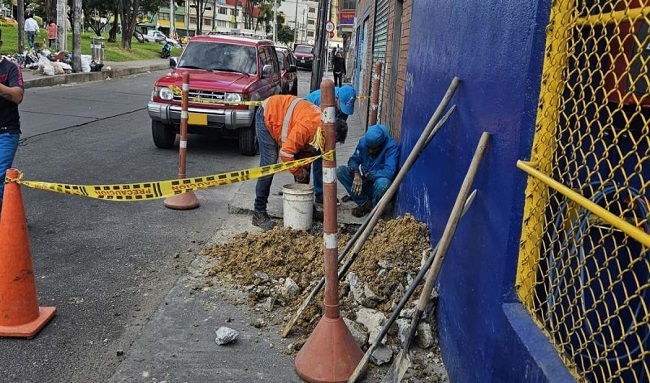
(298, 208)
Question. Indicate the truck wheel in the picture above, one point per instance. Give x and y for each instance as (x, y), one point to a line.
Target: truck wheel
(248, 141)
(164, 135)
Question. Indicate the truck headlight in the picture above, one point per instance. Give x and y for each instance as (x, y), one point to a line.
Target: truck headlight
(165, 93)
(233, 97)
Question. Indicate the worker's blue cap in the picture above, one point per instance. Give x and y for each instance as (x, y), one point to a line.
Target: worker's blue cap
(347, 97)
(376, 136)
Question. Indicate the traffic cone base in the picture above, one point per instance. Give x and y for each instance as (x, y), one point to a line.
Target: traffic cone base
(29, 330)
(330, 354)
(185, 201)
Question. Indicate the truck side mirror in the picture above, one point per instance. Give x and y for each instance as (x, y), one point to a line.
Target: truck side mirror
(267, 70)
(292, 68)
(173, 62)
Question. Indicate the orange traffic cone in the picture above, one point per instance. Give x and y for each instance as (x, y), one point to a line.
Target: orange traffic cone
(20, 315)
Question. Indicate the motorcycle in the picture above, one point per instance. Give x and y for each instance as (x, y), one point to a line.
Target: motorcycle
(166, 50)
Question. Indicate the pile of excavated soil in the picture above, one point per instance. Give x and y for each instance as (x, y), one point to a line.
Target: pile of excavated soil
(260, 263)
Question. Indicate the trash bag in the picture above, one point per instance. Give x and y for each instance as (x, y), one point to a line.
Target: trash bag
(85, 63)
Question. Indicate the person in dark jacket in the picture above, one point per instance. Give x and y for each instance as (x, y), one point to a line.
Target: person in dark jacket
(339, 67)
(371, 169)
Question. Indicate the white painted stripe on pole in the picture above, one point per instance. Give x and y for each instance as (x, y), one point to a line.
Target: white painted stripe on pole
(374, 106)
(186, 87)
(329, 175)
(331, 241)
(328, 115)
(183, 144)
(184, 114)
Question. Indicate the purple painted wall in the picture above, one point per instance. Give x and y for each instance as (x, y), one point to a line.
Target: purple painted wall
(496, 47)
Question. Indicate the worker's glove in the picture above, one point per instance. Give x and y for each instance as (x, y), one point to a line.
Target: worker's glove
(302, 176)
(357, 184)
(362, 171)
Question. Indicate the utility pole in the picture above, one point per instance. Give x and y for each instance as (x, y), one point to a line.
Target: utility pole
(214, 14)
(317, 68)
(275, 20)
(76, 37)
(295, 25)
(21, 25)
(172, 19)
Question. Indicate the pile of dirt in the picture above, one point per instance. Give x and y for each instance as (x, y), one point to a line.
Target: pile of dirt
(266, 264)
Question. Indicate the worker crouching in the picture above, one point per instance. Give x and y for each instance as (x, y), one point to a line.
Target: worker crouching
(371, 169)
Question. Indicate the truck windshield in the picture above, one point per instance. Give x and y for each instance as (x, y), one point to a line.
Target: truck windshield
(219, 56)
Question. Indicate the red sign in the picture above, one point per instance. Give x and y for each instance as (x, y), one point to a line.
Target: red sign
(331, 35)
(346, 17)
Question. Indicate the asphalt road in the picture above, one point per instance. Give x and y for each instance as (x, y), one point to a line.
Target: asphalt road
(106, 266)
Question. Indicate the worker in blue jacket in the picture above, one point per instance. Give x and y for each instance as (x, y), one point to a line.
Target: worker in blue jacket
(371, 169)
(345, 98)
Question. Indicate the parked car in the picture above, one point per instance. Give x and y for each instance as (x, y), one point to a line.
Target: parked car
(158, 37)
(221, 68)
(287, 70)
(304, 55)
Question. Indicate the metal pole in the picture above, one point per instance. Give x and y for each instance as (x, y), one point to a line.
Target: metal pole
(214, 14)
(275, 20)
(21, 25)
(76, 37)
(295, 25)
(317, 68)
(374, 105)
(172, 25)
(61, 25)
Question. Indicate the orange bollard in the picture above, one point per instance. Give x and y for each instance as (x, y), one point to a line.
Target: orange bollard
(331, 353)
(187, 200)
(20, 315)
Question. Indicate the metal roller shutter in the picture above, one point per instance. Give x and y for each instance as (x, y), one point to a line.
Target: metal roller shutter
(379, 45)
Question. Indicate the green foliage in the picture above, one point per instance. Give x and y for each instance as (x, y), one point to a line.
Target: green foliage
(285, 34)
(112, 51)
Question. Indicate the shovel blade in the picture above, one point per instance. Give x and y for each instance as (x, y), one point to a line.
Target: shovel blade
(399, 367)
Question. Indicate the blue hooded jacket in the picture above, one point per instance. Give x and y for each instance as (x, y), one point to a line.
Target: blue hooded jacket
(382, 166)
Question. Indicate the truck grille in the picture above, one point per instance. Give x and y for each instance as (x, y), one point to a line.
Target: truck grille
(202, 96)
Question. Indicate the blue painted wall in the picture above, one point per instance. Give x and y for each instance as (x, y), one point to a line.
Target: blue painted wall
(496, 47)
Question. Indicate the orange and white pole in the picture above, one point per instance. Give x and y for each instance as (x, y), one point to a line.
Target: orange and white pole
(186, 200)
(374, 102)
(330, 353)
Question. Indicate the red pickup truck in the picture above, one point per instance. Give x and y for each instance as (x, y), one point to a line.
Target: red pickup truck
(221, 68)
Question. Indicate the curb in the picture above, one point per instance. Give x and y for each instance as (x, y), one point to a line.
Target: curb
(92, 76)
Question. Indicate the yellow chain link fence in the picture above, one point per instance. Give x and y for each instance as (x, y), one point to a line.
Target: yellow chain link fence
(584, 268)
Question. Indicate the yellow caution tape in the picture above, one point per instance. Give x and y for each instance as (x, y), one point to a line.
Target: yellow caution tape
(163, 189)
(179, 92)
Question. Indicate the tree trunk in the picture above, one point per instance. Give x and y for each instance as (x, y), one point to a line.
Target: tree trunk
(50, 10)
(76, 37)
(112, 34)
(129, 14)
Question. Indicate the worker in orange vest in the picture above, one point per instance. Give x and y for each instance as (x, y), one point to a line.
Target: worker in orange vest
(286, 126)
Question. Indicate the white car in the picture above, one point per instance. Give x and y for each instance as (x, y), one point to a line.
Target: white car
(158, 37)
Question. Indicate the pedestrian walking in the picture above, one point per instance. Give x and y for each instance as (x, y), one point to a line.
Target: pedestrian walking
(286, 126)
(339, 68)
(11, 94)
(31, 28)
(51, 34)
(371, 169)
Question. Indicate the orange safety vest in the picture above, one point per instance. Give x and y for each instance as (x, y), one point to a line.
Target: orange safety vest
(302, 125)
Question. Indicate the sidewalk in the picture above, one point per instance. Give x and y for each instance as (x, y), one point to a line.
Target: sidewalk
(34, 79)
(178, 343)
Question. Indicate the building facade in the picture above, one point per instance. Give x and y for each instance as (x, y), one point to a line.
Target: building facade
(546, 279)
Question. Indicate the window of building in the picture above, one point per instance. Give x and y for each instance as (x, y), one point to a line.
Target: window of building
(311, 22)
(207, 22)
(349, 4)
(223, 11)
(310, 33)
(163, 16)
(192, 19)
(312, 10)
